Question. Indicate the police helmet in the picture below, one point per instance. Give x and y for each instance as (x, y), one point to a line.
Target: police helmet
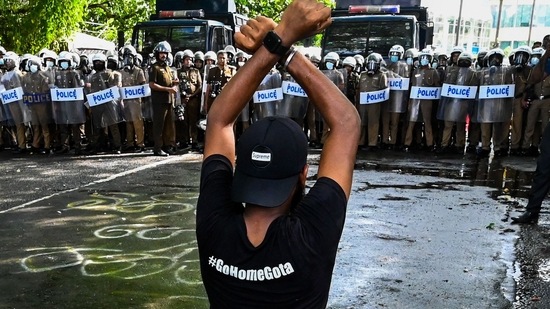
(65, 56)
(49, 54)
(188, 53)
(23, 62)
(99, 57)
(210, 55)
(162, 47)
(522, 54)
(129, 50)
(495, 57)
(178, 57)
(332, 57)
(537, 51)
(240, 54)
(465, 59)
(315, 59)
(11, 60)
(230, 50)
(199, 56)
(34, 60)
(396, 50)
(373, 62)
(411, 53)
(359, 59)
(349, 61)
(457, 50)
(425, 55)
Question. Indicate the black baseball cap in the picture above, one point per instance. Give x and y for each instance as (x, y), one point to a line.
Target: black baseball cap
(271, 153)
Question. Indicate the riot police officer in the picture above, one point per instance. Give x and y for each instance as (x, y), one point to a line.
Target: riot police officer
(456, 102)
(190, 81)
(37, 96)
(398, 72)
(420, 105)
(218, 76)
(372, 93)
(521, 74)
(133, 75)
(494, 109)
(164, 87)
(329, 68)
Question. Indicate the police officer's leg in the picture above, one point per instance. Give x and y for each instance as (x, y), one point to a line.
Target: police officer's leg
(169, 130)
(460, 136)
(517, 124)
(446, 136)
(373, 116)
(426, 109)
(532, 118)
(159, 115)
(541, 179)
(193, 114)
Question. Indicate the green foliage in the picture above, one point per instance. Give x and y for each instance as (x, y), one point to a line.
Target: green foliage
(30, 25)
(273, 9)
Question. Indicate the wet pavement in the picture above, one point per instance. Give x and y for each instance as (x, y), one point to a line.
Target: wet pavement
(422, 231)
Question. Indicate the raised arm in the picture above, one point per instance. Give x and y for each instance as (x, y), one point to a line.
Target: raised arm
(309, 17)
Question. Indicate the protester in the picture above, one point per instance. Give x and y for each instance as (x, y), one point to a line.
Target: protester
(279, 250)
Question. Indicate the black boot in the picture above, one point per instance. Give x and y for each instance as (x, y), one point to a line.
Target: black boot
(527, 217)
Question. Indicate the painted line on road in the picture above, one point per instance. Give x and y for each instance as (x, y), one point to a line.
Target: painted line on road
(112, 177)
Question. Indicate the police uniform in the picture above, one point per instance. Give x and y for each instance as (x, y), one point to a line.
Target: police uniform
(217, 79)
(370, 113)
(190, 82)
(397, 105)
(106, 115)
(37, 95)
(520, 80)
(135, 131)
(163, 106)
(538, 111)
(421, 110)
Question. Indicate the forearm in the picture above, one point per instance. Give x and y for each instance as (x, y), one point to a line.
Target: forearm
(157, 87)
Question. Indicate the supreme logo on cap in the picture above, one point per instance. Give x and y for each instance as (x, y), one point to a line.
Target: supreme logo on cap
(261, 156)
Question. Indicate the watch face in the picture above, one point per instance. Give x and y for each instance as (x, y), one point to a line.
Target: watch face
(272, 41)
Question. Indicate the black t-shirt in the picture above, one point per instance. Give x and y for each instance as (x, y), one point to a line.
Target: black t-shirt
(291, 268)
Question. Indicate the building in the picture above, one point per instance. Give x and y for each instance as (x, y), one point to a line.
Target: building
(474, 33)
(515, 22)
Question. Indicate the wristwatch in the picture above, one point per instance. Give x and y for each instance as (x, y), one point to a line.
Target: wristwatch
(273, 43)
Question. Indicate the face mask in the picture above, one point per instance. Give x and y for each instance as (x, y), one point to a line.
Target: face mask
(329, 65)
(1, 61)
(64, 65)
(434, 65)
(240, 63)
(49, 64)
(99, 66)
(534, 61)
(410, 61)
(424, 62)
(394, 58)
(464, 63)
(34, 68)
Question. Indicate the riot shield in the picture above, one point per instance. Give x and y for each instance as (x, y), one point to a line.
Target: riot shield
(108, 112)
(398, 80)
(268, 96)
(496, 95)
(36, 95)
(68, 98)
(12, 98)
(295, 100)
(132, 107)
(458, 94)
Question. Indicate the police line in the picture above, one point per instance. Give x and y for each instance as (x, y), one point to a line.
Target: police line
(75, 94)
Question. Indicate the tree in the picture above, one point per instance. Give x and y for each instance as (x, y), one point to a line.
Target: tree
(30, 25)
(272, 9)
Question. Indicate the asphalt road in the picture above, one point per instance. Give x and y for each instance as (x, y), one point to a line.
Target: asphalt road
(421, 231)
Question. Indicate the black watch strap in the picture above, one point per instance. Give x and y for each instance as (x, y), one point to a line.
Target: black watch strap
(273, 43)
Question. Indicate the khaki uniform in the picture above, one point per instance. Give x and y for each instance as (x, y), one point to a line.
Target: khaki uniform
(520, 80)
(163, 107)
(190, 82)
(422, 109)
(217, 79)
(107, 115)
(338, 79)
(36, 88)
(370, 113)
(135, 131)
(538, 111)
